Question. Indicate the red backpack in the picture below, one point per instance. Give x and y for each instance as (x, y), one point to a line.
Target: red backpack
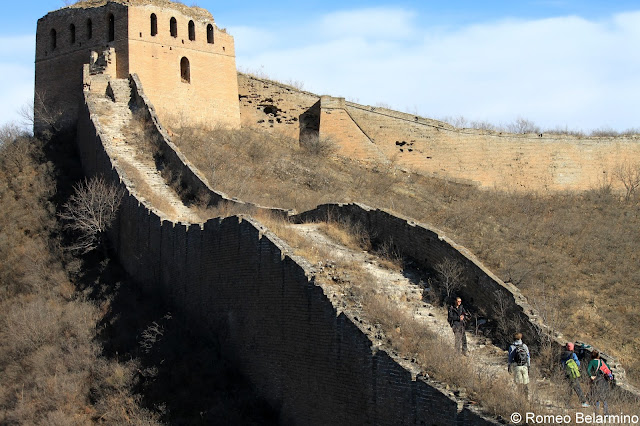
(604, 370)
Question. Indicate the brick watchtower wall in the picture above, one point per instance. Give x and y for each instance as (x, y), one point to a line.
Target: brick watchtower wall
(185, 62)
(210, 94)
(64, 42)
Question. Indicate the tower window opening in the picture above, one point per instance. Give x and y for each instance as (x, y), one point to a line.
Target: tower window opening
(185, 70)
(112, 28)
(89, 29)
(54, 39)
(173, 26)
(154, 24)
(72, 34)
(192, 31)
(210, 34)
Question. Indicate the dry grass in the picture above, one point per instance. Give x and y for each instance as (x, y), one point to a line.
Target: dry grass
(50, 363)
(397, 327)
(574, 254)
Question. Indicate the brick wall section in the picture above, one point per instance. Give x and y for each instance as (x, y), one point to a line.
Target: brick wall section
(488, 159)
(235, 277)
(59, 70)
(211, 97)
(337, 124)
(193, 182)
(428, 246)
(272, 106)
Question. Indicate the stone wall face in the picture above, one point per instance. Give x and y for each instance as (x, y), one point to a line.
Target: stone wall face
(211, 96)
(272, 106)
(488, 159)
(234, 277)
(427, 247)
(58, 80)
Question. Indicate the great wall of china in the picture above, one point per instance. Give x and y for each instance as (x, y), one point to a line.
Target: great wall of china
(316, 362)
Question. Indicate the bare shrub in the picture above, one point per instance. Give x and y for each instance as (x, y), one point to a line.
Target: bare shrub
(482, 125)
(44, 114)
(318, 146)
(565, 131)
(456, 121)
(629, 174)
(450, 275)
(90, 212)
(522, 125)
(605, 132)
(631, 131)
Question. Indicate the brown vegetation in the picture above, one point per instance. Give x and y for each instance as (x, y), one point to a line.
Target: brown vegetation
(397, 329)
(572, 254)
(50, 362)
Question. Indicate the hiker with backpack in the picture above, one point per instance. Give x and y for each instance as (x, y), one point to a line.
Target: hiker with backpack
(571, 366)
(457, 317)
(601, 377)
(519, 362)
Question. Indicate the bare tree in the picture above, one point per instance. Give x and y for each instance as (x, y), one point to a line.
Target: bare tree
(629, 175)
(522, 125)
(90, 211)
(450, 273)
(42, 113)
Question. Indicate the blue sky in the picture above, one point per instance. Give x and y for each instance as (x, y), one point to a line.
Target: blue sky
(569, 64)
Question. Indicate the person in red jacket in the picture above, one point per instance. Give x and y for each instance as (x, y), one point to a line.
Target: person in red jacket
(599, 382)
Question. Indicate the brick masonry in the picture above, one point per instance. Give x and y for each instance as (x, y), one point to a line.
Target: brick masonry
(526, 162)
(234, 277)
(209, 98)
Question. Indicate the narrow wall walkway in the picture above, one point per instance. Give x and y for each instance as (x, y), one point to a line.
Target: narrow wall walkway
(122, 130)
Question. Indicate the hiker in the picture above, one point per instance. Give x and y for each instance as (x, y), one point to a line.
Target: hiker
(600, 376)
(571, 366)
(457, 318)
(519, 362)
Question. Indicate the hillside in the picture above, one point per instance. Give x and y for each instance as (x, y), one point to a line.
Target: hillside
(574, 255)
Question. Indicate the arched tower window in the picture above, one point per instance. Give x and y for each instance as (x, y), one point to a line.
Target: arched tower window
(192, 31)
(54, 39)
(89, 29)
(185, 70)
(173, 26)
(112, 27)
(154, 24)
(72, 34)
(210, 33)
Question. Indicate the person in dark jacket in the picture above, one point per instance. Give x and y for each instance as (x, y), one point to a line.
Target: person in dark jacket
(457, 317)
(565, 356)
(599, 383)
(519, 365)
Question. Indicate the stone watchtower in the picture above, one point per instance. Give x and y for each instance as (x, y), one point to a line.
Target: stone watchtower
(185, 63)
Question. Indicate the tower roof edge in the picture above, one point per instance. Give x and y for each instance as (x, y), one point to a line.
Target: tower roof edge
(193, 11)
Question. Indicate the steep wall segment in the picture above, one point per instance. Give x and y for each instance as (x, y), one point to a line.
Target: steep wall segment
(427, 247)
(236, 278)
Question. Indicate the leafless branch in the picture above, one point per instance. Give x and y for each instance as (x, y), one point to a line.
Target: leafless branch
(90, 212)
